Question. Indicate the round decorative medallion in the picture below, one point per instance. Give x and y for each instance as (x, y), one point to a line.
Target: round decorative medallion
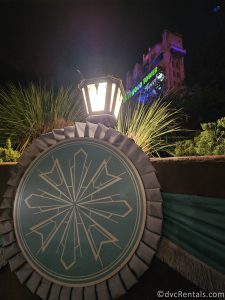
(82, 216)
(80, 212)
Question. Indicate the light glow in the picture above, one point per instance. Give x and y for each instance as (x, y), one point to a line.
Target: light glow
(97, 95)
(103, 95)
(145, 80)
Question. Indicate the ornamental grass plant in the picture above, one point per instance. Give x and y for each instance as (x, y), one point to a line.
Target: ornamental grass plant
(27, 112)
(151, 126)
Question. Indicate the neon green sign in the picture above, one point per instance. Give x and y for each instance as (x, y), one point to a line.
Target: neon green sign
(140, 84)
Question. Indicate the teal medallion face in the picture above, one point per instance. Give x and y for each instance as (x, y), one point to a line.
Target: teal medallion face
(79, 212)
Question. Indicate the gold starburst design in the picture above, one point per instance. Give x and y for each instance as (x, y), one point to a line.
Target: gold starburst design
(72, 209)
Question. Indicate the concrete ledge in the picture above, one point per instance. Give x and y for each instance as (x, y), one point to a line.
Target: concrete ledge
(196, 175)
(190, 158)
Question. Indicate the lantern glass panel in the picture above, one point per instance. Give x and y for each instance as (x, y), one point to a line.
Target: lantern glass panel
(85, 100)
(97, 93)
(118, 103)
(112, 95)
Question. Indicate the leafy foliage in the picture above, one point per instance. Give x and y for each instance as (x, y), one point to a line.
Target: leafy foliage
(150, 126)
(7, 154)
(27, 112)
(210, 141)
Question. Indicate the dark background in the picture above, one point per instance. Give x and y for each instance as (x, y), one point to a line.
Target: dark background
(49, 40)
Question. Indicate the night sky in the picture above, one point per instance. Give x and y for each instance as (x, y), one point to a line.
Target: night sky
(49, 40)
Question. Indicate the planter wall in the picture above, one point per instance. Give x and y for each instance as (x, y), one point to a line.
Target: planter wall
(194, 211)
(201, 176)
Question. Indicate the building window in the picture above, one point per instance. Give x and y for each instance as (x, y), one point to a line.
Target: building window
(178, 74)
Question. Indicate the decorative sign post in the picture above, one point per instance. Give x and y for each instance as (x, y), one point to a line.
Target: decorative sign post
(86, 206)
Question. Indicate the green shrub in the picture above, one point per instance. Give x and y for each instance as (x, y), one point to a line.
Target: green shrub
(210, 141)
(7, 154)
(185, 148)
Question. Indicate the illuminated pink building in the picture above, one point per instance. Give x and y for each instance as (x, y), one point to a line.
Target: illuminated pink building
(168, 56)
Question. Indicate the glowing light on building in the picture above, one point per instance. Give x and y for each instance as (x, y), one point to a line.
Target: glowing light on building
(162, 69)
(143, 82)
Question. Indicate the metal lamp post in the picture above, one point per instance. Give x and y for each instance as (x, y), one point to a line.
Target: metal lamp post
(103, 97)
